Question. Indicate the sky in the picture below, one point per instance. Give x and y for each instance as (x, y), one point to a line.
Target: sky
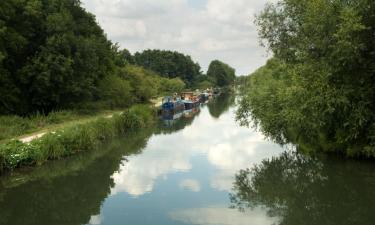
(205, 29)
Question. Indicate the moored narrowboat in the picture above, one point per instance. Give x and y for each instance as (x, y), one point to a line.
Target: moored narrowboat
(172, 104)
(190, 100)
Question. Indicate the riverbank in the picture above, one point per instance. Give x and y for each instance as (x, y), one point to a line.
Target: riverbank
(16, 127)
(73, 139)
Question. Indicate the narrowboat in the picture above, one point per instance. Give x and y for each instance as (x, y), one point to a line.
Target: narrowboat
(173, 105)
(190, 100)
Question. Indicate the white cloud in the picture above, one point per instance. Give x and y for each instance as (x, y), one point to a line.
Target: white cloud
(222, 29)
(217, 215)
(190, 184)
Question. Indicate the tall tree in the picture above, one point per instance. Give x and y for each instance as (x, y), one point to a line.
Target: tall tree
(52, 53)
(321, 81)
(222, 74)
(169, 64)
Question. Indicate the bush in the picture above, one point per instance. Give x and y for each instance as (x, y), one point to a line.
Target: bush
(138, 116)
(16, 154)
(116, 92)
(2, 162)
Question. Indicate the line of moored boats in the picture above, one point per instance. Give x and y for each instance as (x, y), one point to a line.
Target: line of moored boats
(187, 100)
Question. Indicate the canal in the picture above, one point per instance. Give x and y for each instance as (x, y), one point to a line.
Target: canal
(192, 171)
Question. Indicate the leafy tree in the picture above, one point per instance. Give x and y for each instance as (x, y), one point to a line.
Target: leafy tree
(169, 64)
(222, 74)
(321, 81)
(116, 91)
(143, 86)
(171, 86)
(122, 57)
(52, 53)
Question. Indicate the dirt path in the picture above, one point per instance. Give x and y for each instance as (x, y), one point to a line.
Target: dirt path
(30, 137)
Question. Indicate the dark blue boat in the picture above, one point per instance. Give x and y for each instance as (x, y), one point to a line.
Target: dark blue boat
(172, 104)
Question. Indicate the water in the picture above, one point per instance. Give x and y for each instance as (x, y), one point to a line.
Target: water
(184, 172)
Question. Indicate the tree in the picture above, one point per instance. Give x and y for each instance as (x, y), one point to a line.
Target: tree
(222, 74)
(169, 64)
(52, 54)
(323, 87)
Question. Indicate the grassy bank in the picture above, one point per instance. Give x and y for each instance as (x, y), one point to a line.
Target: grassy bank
(73, 139)
(16, 126)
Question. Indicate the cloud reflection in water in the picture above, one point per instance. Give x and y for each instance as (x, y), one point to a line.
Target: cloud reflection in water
(227, 149)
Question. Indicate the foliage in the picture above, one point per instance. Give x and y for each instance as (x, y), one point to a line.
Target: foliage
(143, 82)
(147, 84)
(73, 139)
(170, 86)
(320, 83)
(169, 64)
(221, 74)
(204, 85)
(117, 92)
(122, 57)
(131, 85)
(203, 82)
(52, 53)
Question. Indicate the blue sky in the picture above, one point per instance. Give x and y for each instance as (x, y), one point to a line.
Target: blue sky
(205, 29)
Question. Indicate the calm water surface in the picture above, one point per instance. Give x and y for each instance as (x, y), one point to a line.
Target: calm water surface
(182, 172)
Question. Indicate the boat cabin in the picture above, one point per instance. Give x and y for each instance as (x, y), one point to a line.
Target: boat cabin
(188, 95)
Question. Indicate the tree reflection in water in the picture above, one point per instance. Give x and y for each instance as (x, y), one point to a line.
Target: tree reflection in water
(71, 191)
(305, 190)
(221, 104)
(67, 191)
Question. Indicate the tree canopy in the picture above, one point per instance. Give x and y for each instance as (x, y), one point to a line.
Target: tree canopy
(169, 64)
(52, 53)
(321, 81)
(221, 74)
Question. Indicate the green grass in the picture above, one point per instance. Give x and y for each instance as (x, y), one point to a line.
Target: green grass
(73, 139)
(16, 126)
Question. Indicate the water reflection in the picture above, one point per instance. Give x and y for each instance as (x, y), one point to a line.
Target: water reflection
(223, 148)
(221, 215)
(65, 192)
(190, 184)
(306, 190)
(221, 104)
(182, 172)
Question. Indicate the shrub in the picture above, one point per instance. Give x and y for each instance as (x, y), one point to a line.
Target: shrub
(116, 92)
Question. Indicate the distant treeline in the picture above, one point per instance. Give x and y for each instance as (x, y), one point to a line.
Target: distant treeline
(176, 65)
(54, 55)
(319, 88)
